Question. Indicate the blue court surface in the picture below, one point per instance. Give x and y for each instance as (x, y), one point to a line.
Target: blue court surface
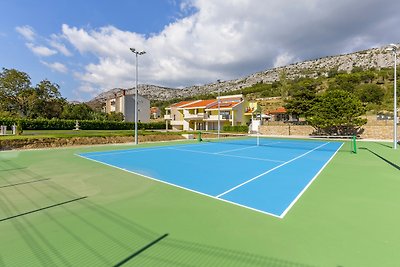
(268, 178)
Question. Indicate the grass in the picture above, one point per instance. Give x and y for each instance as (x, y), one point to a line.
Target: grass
(348, 216)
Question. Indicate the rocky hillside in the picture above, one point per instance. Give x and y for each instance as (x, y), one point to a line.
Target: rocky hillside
(371, 58)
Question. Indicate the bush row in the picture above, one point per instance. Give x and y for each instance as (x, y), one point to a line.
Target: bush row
(56, 124)
(237, 128)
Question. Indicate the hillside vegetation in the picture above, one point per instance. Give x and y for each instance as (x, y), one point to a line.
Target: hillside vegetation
(373, 87)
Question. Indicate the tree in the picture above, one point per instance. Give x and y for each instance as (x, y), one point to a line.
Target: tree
(303, 97)
(345, 81)
(337, 112)
(16, 94)
(77, 112)
(368, 76)
(370, 93)
(49, 103)
(115, 116)
(284, 85)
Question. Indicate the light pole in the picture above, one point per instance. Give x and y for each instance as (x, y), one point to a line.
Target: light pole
(393, 48)
(137, 53)
(219, 108)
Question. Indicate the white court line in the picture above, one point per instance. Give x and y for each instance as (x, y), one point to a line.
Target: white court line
(225, 155)
(270, 170)
(243, 148)
(247, 148)
(309, 183)
(113, 152)
(135, 150)
(218, 197)
(181, 187)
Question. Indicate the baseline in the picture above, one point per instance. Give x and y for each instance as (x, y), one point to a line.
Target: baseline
(135, 150)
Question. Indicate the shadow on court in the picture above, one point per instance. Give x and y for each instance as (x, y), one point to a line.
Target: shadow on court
(174, 252)
(98, 236)
(382, 158)
(383, 144)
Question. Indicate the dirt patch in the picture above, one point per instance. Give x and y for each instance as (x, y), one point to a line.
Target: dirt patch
(78, 141)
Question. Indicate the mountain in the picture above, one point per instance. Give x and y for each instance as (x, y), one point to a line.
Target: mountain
(366, 59)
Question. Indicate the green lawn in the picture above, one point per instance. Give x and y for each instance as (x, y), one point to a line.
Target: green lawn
(348, 216)
(34, 134)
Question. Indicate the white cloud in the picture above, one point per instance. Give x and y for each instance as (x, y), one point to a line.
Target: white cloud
(41, 50)
(231, 39)
(283, 60)
(59, 46)
(27, 32)
(56, 66)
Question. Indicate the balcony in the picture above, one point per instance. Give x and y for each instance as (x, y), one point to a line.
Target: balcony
(198, 116)
(221, 118)
(176, 123)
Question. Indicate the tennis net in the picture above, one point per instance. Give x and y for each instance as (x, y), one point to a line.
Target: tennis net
(281, 142)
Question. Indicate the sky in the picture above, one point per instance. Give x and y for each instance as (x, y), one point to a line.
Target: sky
(84, 45)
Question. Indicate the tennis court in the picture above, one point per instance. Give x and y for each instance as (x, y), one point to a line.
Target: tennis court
(59, 209)
(267, 176)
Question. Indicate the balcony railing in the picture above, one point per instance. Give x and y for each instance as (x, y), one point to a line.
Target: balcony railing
(221, 117)
(198, 116)
(175, 123)
(167, 117)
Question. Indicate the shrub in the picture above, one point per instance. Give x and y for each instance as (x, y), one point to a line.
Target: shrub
(19, 128)
(237, 128)
(56, 124)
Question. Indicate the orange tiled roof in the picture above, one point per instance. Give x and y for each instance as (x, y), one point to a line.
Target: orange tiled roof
(223, 105)
(278, 110)
(226, 103)
(201, 103)
(181, 104)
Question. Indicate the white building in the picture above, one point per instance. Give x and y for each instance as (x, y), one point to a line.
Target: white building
(125, 103)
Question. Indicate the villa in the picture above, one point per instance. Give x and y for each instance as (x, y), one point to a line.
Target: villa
(203, 114)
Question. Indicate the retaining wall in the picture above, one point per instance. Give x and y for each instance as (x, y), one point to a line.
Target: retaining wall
(381, 132)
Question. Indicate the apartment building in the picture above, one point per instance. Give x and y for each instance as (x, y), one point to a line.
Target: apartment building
(203, 114)
(124, 102)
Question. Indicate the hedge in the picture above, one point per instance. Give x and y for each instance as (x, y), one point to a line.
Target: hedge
(57, 124)
(237, 128)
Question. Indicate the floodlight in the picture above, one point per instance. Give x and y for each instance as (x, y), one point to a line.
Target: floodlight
(136, 92)
(394, 48)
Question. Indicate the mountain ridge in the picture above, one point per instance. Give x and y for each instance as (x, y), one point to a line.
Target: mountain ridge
(366, 59)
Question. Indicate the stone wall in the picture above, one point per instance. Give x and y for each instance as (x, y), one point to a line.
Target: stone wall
(380, 132)
(286, 130)
(384, 132)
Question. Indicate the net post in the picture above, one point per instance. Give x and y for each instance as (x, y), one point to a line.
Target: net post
(354, 144)
(199, 137)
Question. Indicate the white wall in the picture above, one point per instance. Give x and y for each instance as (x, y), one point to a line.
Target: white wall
(129, 108)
